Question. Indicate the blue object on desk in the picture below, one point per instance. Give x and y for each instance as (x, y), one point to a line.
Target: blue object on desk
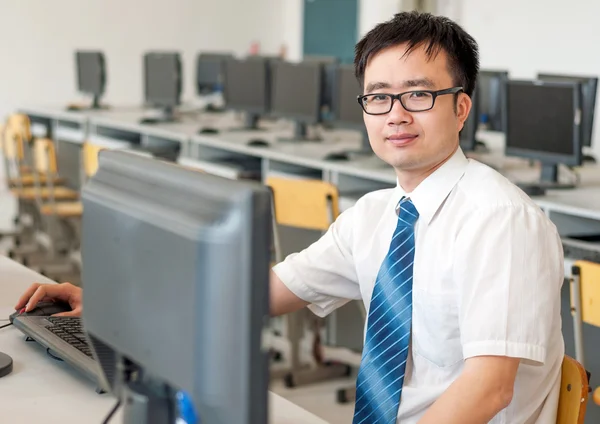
(187, 414)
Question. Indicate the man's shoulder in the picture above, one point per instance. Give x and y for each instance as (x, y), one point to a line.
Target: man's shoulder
(482, 187)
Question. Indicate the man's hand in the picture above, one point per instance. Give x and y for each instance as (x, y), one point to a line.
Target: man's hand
(484, 388)
(65, 292)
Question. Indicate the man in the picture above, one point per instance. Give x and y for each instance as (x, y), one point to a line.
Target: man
(460, 271)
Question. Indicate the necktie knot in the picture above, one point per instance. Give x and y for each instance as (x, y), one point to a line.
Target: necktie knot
(407, 212)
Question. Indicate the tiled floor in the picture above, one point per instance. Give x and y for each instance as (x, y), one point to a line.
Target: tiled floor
(320, 399)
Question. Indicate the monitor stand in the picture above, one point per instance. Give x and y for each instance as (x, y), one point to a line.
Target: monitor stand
(300, 133)
(251, 121)
(94, 106)
(147, 403)
(548, 181)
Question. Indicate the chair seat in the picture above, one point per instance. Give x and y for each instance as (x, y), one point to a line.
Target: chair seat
(59, 193)
(28, 180)
(63, 209)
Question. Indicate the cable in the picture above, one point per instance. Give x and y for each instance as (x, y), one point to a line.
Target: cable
(53, 356)
(5, 325)
(112, 412)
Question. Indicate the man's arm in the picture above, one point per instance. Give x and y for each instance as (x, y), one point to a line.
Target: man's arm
(282, 300)
(484, 388)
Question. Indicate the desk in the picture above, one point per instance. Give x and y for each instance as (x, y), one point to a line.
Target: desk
(41, 389)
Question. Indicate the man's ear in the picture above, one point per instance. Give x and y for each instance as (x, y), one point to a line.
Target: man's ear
(463, 107)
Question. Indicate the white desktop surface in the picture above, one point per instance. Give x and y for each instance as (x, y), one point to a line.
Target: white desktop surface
(41, 389)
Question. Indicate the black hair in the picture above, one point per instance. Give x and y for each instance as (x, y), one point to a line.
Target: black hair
(435, 33)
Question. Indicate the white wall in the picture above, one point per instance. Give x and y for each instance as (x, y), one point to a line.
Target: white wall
(38, 37)
(514, 35)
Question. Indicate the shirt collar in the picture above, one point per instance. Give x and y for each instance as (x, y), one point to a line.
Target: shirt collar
(429, 195)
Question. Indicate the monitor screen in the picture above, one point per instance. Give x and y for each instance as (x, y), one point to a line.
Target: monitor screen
(162, 72)
(246, 85)
(589, 86)
(297, 91)
(491, 95)
(91, 72)
(347, 110)
(542, 118)
(209, 71)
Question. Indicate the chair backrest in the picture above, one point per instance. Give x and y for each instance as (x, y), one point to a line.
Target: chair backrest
(307, 204)
(44, 156)
(589, 288)
(21, 125)
(574, 393)
(12, 146)
(90, 158)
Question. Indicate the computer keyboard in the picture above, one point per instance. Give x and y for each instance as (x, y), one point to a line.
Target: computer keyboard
(71, 331)
(64, 338)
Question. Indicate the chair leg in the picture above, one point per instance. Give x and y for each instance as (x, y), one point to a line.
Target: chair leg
(299, 376)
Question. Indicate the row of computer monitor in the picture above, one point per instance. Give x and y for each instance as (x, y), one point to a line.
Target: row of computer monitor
(549, 119)
(307, 92)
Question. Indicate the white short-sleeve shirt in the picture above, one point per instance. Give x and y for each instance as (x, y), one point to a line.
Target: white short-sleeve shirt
(487, 279)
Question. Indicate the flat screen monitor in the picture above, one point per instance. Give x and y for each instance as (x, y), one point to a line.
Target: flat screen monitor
(490, 84)
(176, 299)
(247, 87)
(163, 79)
(91, 74)
(589, 87)
(209, 72)
(543, 122)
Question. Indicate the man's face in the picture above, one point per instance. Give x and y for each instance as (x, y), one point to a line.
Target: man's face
(414, 141)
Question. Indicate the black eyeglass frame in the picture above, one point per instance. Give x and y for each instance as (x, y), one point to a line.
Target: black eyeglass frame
(434, 94)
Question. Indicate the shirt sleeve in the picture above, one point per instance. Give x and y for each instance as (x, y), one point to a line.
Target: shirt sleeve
(510, 270)
(324, 273)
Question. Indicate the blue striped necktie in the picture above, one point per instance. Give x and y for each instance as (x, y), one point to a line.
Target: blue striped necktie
(381, 373)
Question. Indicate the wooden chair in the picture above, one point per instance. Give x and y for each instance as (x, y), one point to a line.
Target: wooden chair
(75, 209)
(310, 205)
(574, 392)
(585, 305)
(33, 246)
(44, 159)
(19, 127)
(66, 216)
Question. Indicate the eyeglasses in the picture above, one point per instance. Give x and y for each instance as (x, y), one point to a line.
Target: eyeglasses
(412, 101)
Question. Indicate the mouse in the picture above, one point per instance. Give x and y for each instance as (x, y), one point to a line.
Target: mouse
(257, 142)
(208, 130)
(337, 156)
(149, 121)
(588, 158)
(43, 309)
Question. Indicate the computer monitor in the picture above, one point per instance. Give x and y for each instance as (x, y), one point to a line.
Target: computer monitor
(589, 87)
(247, 88)
(91, 75)
(468, 139)
(176, 299)
(163, 82)
(490, 84)
(346, 112)
(209, 72)
(297, 94)
(543, 122)
(322, 59)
